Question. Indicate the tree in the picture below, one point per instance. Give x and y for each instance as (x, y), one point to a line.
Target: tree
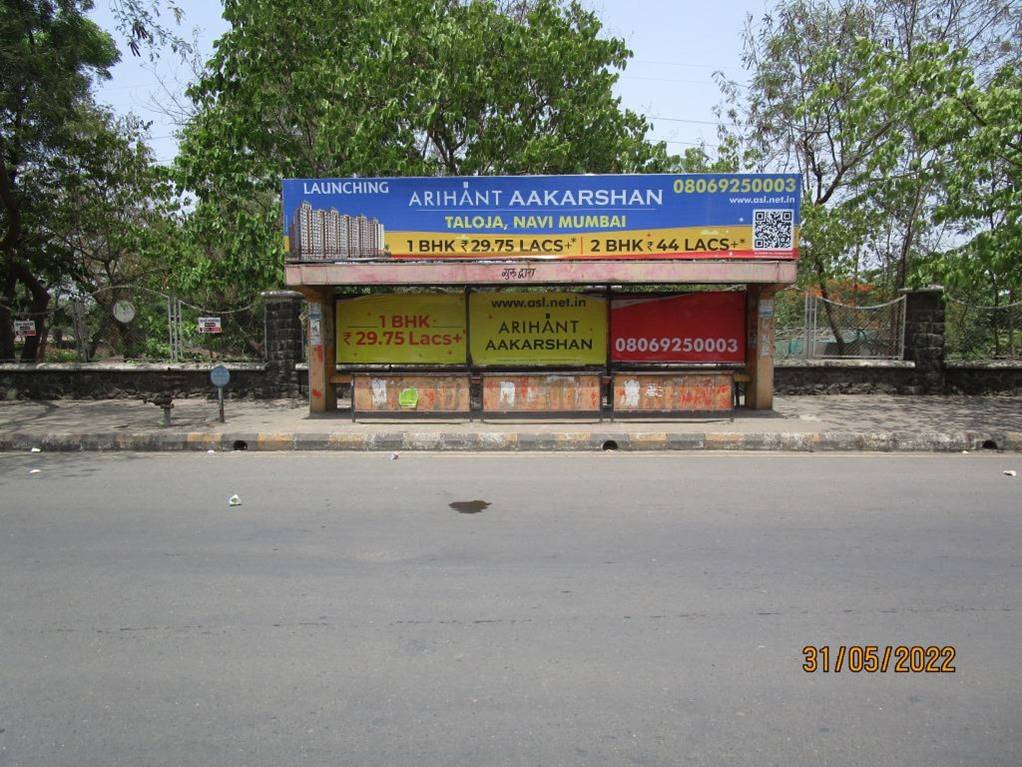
(396, 87)
(115, 216)
(49, 51)
(140, 22)
(983, 189)
(849, 94)
(940, 50)
(852, 94)
(816, 103)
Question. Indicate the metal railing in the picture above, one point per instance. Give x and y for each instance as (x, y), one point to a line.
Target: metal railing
(131, 323)
(975, 332)
(830, 329)
(836, 330)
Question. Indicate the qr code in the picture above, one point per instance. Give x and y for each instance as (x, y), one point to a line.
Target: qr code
(772, 229)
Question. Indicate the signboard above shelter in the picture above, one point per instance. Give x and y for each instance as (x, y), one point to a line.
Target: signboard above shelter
(611, 217)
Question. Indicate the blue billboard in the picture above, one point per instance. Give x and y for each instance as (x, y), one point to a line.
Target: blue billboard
(652, 216)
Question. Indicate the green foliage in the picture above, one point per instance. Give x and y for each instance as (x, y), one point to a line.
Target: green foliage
(864, 98)
(983, 189)
(697, 160)
(49, 53)
(141, 23)
(115, 214)
(816, 103)
(401, 87)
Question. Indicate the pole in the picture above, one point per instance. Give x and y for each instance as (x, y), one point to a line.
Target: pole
(220, 395)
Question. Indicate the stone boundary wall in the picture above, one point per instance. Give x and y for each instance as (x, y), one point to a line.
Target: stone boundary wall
(845, 377)
(983, 377)
(257, 380)
(923, 371)
(94, 380)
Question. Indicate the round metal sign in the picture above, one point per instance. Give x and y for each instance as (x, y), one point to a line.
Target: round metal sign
(220, 376)
(124, 311)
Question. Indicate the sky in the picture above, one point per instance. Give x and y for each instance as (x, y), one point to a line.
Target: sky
(676, 44)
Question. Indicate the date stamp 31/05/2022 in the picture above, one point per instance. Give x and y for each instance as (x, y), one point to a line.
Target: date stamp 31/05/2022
(872, 659)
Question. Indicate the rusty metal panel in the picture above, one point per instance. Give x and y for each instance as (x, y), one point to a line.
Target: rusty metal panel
(411, 393)
(550, 393)
(540, 273)
(673, 392)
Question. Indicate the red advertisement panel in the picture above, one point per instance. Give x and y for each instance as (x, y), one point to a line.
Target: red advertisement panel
(693, 327)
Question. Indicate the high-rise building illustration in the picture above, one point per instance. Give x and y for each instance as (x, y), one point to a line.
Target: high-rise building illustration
(343, 227)
(352, 236)
(331, 229)
(318, 230)
(363, 233)
(318, 235)
(301, 230)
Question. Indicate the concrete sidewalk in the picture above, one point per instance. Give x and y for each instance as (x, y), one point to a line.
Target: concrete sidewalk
(808, 423)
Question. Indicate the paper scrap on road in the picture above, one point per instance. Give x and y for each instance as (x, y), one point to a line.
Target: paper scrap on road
(234, 500)
(35, 450)
(35, 471)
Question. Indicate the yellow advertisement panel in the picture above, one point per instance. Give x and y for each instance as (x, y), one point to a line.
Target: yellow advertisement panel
(537, 329)
(402, 328)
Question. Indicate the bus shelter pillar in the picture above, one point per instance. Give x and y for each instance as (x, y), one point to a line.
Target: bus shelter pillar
(759, 360)
(322, 354)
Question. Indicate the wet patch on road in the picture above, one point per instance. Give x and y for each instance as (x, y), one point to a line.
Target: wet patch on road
(469, 507)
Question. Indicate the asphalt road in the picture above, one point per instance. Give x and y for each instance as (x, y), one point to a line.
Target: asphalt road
(601, 609)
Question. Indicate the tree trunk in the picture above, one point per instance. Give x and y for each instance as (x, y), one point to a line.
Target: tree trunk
(93, 343)
(6, 328)
(8, 245)
(1012, 348)
(38, 310)
(995, 325)
(821, 279)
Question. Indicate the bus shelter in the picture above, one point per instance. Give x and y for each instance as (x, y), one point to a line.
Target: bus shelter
(619, 295)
